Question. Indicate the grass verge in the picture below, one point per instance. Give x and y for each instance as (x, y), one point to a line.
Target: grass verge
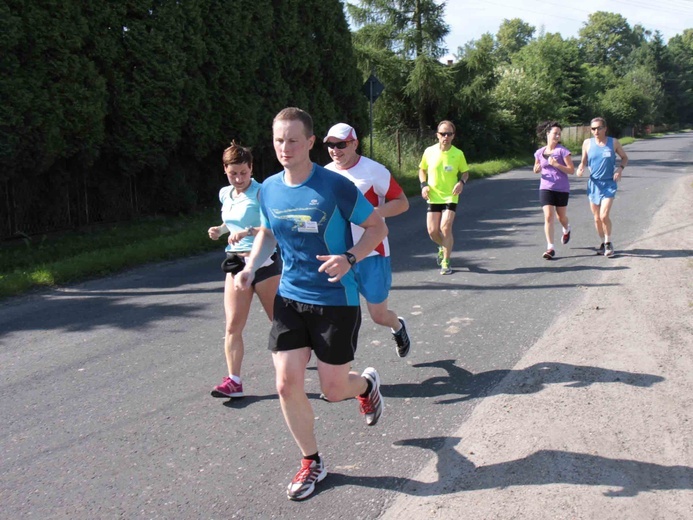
(98, 251)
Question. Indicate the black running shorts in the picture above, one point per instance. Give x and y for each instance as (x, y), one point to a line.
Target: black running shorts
(330, 331)
(438, 208)
(553, 198)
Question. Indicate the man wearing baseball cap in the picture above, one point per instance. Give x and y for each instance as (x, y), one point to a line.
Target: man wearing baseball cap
(373, 273)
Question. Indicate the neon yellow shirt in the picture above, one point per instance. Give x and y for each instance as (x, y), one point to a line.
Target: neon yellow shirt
(441, 170)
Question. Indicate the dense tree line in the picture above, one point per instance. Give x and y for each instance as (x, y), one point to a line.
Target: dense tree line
(111, 109)
(501, 85)
(114, 109)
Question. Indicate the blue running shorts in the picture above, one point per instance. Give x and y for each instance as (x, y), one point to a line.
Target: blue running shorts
(598, 190)
(374, 278)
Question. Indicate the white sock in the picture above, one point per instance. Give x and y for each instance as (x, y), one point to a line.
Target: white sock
(566, 230)
(235, 379)
(550, 246)
(607, 238)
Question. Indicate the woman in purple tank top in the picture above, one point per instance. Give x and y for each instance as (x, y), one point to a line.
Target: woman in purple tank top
(554, 162)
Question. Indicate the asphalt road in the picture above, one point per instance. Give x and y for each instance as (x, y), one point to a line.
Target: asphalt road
(104, 393)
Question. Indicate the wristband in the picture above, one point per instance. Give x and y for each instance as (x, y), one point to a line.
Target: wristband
(350, 258)
(424, 184)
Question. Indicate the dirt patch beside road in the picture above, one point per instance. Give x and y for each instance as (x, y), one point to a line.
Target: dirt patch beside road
(596, 421)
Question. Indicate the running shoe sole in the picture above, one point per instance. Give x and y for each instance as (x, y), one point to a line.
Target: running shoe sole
(217, 393)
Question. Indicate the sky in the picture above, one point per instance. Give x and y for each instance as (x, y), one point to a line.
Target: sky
(468, 20)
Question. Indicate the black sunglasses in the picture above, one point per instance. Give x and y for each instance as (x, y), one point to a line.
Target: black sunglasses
(341, 145)
(593, 128)
(446, 134)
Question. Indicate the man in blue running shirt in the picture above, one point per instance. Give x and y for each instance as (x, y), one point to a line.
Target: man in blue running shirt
(308, 211)
(599, 153)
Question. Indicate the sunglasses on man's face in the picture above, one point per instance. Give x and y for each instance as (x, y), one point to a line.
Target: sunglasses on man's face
(341, 145)
(446, 134)
(596, 128)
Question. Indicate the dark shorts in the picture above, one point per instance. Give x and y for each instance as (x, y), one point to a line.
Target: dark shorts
(330, 331)
(235, 264)
(269, 271)
(438, 208)
(553, 198)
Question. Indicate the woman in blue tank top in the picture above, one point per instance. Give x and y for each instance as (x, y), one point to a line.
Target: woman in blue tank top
(240, 214)
(599, 153)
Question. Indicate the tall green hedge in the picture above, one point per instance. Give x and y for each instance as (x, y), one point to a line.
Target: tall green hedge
(140, 97)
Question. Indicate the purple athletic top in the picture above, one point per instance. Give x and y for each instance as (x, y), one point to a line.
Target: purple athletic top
(552, 178)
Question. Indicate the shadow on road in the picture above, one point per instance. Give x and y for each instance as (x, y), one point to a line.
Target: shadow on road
(74, 312)
(627, 478)
(554, 265)
(445, 284)
(657, 253)
(461, 385)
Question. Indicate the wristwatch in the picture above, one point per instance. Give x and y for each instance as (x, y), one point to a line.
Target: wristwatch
(350, 258)
(250, 230)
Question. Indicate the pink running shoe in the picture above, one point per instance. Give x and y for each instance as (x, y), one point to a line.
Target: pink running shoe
(228, 388)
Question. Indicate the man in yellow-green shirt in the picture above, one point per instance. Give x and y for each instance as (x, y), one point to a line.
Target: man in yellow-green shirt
(443, 173)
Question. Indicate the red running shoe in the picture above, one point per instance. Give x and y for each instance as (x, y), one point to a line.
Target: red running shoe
(372, 405)
(549, 254)
(303, 484)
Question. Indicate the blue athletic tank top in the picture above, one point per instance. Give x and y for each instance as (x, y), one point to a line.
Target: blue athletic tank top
(601, 160)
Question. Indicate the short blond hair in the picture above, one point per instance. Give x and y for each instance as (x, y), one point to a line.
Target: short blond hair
(296, 114)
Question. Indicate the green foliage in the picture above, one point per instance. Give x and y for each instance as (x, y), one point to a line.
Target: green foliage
(54, 101)
(678, 78)
(625, 103)
(607, 39)
(141, 97)
(540, 83)
(409, 28)
(401, 40)
(430, 88)
(512, 36)
(116, 109)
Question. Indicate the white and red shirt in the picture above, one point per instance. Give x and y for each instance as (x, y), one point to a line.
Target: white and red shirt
(378, 186)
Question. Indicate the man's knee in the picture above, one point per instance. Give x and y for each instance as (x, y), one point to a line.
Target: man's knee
(288, 383)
